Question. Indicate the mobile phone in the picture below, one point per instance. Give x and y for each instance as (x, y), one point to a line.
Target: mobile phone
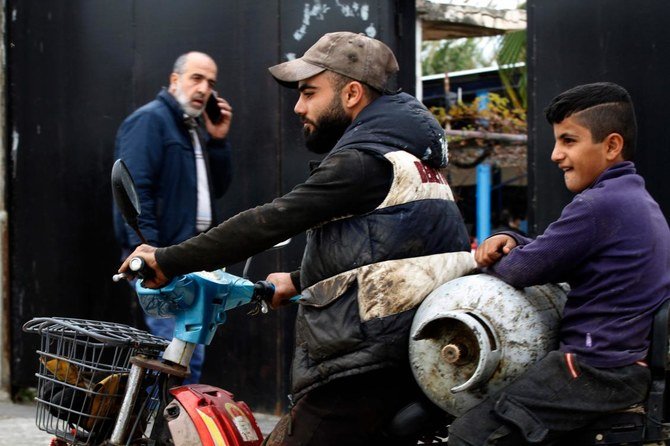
(212, 109)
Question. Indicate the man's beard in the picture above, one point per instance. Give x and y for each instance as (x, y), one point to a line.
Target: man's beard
(327, 129)
(185, 102)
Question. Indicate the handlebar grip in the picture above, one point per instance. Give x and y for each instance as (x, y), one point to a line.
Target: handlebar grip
(139, 267)
(264, 290)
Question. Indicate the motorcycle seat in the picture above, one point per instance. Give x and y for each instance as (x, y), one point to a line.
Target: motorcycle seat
(417, 418)
(649, 422)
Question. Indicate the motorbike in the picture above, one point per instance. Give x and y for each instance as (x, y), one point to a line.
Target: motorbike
(107, 383)
(102, 383)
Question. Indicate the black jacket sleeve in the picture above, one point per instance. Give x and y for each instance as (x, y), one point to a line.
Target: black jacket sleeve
(350, 182)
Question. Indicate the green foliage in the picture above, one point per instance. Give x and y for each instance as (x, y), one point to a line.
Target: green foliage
(498, 115)
(440, 56)
(511, 52)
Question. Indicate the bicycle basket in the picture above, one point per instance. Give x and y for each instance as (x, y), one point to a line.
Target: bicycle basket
(83, 369)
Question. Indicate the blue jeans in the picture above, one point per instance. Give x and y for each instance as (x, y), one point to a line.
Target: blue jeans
(165, 329)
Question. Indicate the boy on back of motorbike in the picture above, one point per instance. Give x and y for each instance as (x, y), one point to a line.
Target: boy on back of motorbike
(612, 245)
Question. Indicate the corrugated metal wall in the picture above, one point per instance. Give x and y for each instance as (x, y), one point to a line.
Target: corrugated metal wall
(573, 42)
(76, 69)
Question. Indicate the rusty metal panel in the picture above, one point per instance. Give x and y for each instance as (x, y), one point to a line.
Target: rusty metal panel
(77, 68)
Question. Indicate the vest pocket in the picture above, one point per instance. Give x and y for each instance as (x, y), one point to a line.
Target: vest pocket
(332, 330)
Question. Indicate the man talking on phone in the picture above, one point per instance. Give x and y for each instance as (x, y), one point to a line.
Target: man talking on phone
(176, 149)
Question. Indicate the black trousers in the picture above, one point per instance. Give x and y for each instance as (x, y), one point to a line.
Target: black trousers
(348, 411)
(557, 395)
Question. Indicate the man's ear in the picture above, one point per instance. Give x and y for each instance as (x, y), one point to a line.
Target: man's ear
(174, 77)
(614, 144)
(352, 94)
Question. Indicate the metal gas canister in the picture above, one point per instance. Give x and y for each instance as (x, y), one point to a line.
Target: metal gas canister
(473, 335)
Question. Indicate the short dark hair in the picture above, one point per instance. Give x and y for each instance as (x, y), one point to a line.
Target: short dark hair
(602, 107)
(339, 81)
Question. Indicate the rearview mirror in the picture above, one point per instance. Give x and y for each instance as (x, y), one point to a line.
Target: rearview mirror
(247, 264)
(281, 244)
(125, 196)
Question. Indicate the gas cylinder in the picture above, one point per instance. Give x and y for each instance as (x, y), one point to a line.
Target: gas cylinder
(473, 335)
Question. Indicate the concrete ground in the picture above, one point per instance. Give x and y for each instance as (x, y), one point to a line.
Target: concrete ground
(18, 428)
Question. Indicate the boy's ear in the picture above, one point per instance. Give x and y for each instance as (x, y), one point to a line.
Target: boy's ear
(614, 144)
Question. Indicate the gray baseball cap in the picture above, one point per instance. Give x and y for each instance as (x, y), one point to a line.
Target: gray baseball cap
(353, 55)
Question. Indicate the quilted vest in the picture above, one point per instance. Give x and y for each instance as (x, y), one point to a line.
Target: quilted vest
(363, 276)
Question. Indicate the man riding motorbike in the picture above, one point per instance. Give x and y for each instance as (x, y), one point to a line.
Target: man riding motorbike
(383, 232)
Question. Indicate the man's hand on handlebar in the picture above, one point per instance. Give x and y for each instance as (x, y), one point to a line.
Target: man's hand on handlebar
(284, 289)
(147, 253)
(493, 248)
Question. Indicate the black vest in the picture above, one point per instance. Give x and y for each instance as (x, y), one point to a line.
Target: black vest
(363, 276)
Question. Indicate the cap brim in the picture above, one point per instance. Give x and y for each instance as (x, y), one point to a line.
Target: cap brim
(290, 73)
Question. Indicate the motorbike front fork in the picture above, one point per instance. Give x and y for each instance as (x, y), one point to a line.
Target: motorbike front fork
(170, 375)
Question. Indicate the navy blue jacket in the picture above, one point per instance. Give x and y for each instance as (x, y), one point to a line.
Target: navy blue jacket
(155, 144)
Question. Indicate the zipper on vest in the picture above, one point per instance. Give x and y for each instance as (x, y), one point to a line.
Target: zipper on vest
(291, 405)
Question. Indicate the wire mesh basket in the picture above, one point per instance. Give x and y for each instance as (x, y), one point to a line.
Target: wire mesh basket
(83, 369)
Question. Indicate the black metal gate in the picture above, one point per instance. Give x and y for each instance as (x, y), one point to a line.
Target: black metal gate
(574, 42)
(76, 69)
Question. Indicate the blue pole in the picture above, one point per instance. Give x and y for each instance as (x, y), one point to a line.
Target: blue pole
(483, 201)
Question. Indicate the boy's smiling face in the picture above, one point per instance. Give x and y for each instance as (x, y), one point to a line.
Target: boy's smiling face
(580, 158)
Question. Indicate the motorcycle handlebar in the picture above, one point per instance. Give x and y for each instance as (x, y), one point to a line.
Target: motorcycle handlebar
(264, 290)
(138, 266)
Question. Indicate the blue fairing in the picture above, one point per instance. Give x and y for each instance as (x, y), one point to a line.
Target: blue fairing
(197, 301)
